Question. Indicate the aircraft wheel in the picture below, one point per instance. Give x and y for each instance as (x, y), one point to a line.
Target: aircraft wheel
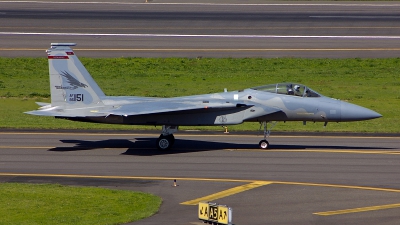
(165, 142)
(264, 144)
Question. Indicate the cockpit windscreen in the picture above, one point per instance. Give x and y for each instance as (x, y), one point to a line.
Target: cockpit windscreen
(288, 89)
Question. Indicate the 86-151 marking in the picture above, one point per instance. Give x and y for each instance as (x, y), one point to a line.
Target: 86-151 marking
(76, 97)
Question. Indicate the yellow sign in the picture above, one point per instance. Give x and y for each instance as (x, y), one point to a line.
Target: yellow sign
(212, 212)
(223, 214)
(203, 211)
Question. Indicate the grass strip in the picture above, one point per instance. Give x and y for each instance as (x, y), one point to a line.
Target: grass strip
(57, 204)
(372, 83)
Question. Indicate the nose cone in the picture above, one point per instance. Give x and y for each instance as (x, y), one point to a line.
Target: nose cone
(351, 112)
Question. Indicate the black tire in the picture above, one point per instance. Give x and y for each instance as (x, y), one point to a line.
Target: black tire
(264, 144)
(165, 143)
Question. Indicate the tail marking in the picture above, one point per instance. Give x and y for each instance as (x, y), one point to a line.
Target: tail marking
(72, 81)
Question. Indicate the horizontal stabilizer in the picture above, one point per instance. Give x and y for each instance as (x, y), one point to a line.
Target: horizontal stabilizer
(42, 104)
(43, 113)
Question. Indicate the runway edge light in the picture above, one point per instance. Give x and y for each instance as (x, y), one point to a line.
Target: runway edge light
(213, 213)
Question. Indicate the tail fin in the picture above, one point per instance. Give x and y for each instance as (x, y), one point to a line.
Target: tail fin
(71, 85)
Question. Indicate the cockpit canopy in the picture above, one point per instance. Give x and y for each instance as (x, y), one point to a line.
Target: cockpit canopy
(288, 89)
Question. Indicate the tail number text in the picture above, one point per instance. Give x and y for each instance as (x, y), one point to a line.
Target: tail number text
(76, 97)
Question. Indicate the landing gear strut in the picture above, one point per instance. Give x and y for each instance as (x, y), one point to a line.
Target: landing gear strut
(264, 144)
(166, 139)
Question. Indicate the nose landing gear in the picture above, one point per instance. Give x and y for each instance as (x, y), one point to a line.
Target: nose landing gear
(264, 144)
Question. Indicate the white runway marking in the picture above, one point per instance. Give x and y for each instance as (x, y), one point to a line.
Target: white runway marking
(358, 17)
(201, 35)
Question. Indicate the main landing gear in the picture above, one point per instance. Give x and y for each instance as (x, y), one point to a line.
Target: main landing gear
(264, 144)
(166, 139)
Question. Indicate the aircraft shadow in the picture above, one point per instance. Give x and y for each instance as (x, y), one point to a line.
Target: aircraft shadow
(147, 146)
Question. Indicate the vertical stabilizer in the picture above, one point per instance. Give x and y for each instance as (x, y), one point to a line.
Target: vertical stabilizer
(71, 85)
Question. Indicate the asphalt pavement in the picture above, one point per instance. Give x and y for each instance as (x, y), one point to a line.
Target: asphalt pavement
(300, 180)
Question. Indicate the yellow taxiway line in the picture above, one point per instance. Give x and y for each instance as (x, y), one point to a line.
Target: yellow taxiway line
(214, 49)
(372, 151)
(126, 177)
(356, 210)
(27, 147)
(226, 193)
(189, 134)
(375, 151)
(258, 182)
(251, 184)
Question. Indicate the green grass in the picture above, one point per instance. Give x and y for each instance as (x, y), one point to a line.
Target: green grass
(56, 204)
(372, 83)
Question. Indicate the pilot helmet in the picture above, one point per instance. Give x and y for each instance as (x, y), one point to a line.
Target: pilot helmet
(296, 87)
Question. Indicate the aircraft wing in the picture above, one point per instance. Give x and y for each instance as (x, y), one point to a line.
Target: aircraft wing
(157, 107)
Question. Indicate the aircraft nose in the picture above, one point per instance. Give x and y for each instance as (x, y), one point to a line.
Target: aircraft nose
(351, 112)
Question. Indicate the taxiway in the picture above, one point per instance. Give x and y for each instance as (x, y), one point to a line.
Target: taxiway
(301, 180)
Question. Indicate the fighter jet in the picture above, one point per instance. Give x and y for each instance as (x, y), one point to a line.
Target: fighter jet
(76, 96)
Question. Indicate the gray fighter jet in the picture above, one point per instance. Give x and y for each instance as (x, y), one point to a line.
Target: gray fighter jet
(76, 96)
